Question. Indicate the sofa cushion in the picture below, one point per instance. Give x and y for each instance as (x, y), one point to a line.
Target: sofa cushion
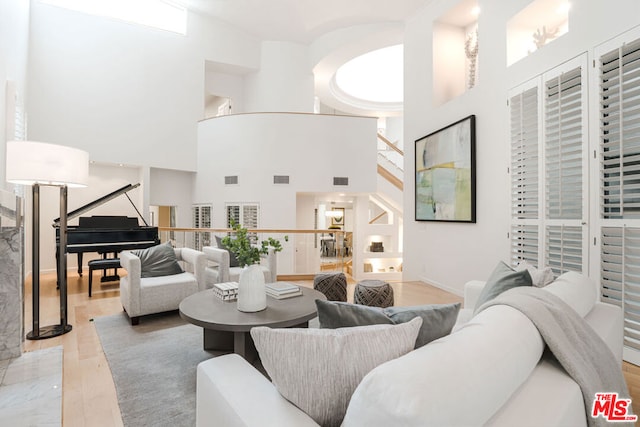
(318, 369)
(502, 279)
(159, 260)
(458, 380)
(577, 290)
(233, 261)
(539, 277)
(437, 319)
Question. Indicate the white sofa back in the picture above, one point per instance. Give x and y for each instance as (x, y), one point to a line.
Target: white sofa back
(467, 377)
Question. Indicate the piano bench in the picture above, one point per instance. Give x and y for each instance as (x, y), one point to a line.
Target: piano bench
(102, 264)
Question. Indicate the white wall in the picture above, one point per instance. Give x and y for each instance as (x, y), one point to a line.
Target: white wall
(449, 254)
(311, 149)
(126, 93)
(226, 85)
(173, 188)
(14, 38)
(284, 81)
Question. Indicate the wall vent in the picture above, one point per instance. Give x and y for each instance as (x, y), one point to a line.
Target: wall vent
(340, 180)
(231, 179)
(280, 179)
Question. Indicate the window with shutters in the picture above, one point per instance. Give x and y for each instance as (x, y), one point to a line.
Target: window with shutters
(548, 142)
(245, 214)
(201, 219)
(619, 182)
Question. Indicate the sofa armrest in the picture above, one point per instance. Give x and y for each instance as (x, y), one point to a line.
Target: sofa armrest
(130, 284)
(198, 262)
(220, 257)
(472, 290)
(232, 393)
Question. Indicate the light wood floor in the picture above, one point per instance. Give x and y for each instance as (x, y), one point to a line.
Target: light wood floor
(89, 396)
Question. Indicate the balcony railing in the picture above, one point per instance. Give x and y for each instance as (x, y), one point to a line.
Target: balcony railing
(304, 252)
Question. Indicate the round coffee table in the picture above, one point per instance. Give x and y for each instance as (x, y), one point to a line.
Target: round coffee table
(226, 328)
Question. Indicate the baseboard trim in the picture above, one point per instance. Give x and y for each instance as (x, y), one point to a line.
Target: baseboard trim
(438, 285)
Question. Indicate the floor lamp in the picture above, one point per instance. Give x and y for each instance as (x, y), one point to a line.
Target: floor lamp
(37, 164)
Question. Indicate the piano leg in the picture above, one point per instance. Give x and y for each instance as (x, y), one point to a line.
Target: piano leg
(80, 264)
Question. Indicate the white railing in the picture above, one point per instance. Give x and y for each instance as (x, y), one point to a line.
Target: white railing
(390, 156)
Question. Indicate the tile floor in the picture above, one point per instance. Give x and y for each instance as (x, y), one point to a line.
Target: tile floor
(31, 389)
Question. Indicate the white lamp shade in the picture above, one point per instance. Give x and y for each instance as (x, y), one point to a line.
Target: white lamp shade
(31, 163)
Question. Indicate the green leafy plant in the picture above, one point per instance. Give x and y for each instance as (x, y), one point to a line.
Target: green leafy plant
(245, 252)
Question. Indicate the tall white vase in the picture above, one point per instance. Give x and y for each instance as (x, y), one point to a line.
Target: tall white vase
(252, 295)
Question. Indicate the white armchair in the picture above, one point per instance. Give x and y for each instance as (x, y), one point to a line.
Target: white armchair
(148, 295)
(220, 271)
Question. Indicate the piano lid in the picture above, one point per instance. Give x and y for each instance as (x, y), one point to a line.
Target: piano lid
(101, 201)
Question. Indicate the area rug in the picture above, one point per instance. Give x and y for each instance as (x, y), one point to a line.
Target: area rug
(154, 367)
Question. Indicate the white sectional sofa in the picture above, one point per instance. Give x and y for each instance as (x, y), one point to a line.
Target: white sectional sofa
(491, 370)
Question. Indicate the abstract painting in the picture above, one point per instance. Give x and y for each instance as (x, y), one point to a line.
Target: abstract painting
(445, 173)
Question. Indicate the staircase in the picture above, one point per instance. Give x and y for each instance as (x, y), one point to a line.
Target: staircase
(390, 172)
(385, 223)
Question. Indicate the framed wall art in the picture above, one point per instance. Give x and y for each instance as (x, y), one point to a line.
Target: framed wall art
(445, 173)
(338, 217)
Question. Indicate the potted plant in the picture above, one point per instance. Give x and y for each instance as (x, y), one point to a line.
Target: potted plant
(252, 294)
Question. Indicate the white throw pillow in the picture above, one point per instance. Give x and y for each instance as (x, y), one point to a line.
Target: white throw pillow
(319, 369)
(540, 278)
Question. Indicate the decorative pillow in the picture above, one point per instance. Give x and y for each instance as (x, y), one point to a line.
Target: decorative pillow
(540, 278)
(437, 319)
(319, 369)
(502, 279)
(159, 260)
(233, 261)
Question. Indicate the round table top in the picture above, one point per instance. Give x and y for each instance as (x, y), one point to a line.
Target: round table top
(206, 310)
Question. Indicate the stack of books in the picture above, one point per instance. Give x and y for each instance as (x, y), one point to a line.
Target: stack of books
(283, 290)
(227, 291)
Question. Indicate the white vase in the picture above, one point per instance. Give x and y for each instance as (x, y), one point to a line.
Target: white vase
(252, 295)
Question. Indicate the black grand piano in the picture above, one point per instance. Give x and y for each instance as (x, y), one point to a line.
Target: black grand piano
(105, 234)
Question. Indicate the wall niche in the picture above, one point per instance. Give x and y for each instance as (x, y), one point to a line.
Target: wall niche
(535, 26)
(455, 51)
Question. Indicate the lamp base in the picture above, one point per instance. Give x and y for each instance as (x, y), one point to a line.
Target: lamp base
(49, 332)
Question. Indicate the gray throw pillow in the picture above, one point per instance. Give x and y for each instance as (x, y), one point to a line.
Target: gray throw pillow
(319, 369)
(233, 261)
(437, 319)
(159, 260)
(503, 278)
(337, 314)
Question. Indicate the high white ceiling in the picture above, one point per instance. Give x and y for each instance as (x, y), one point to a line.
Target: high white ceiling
(302, 21)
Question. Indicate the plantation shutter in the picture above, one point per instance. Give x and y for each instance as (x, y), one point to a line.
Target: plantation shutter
(620, 132)
(524, 154)
(564, 145)
(563, 248)
(525, 177)
(233, 215)
(245, 214)
(565, 148)
(201, 215)
(619, 140)
(250, 216)
(524, 244)
(548, 145)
